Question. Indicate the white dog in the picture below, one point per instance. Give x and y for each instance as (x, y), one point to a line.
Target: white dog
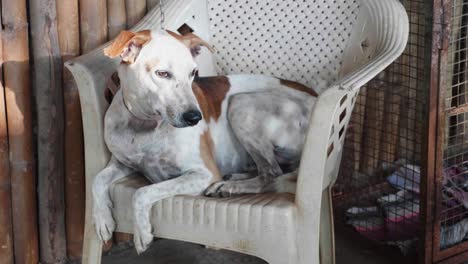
(185, 133)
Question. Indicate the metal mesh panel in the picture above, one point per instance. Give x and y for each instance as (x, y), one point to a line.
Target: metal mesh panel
(282, 38)
(377, 194)
(454, 188)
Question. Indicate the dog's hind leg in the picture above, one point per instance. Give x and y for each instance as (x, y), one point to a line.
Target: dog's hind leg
(271, 126)
(102, 204)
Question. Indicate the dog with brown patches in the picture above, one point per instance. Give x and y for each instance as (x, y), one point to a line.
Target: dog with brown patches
(186, 133)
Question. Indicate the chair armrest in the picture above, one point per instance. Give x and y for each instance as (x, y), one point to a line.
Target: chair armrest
(319, 162)
(323, 145)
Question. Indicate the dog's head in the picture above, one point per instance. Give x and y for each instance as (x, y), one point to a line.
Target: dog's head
(156, 74)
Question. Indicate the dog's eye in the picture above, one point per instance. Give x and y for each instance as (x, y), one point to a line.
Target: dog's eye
(163, 74)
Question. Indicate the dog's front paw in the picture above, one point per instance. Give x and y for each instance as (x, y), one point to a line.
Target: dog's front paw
(103, 223)
(142, 239)
(142, 230)
(142, 235)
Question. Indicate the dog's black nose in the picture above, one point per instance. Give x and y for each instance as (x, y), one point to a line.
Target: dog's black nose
(192, 117)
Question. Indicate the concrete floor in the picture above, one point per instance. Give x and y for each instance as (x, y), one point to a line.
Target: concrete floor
(350, 249)
(165, 251)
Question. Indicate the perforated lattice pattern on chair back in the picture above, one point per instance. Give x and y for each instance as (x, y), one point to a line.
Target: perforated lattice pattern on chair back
(298, 40)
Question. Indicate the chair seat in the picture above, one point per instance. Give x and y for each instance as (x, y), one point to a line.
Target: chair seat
(243, 223)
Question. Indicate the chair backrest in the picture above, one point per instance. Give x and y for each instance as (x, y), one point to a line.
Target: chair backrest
(303, 41)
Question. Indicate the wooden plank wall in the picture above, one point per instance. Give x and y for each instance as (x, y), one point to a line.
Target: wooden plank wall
(47, 87)
(41, 141)
(19, 103)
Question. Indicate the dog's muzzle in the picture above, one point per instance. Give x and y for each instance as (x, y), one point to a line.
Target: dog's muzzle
(192, 117)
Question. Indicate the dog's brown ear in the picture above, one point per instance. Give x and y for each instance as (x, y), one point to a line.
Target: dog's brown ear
(193, 42)
(128, 45)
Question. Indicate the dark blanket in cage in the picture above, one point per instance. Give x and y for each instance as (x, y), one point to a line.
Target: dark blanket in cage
(394, 218)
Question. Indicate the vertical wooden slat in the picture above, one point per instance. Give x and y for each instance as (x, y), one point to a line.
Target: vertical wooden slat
(136, 9)
(372, 127)
(47, 86)
(392, 107)
(19, 116)
(6, 229)
(93, 24)
(391, 122)
(358, 125)
(69, 40)
(117, 17)
(440, 84)
(433, 142)
(68, 28)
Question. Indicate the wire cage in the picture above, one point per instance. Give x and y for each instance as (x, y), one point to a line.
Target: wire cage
(451, 212)
(383, 150)
(407, 136)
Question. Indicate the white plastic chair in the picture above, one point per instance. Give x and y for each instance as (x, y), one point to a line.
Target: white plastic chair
(333, 46)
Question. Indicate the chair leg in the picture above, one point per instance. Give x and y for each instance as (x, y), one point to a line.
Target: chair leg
(327, 236)
(92, 245)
